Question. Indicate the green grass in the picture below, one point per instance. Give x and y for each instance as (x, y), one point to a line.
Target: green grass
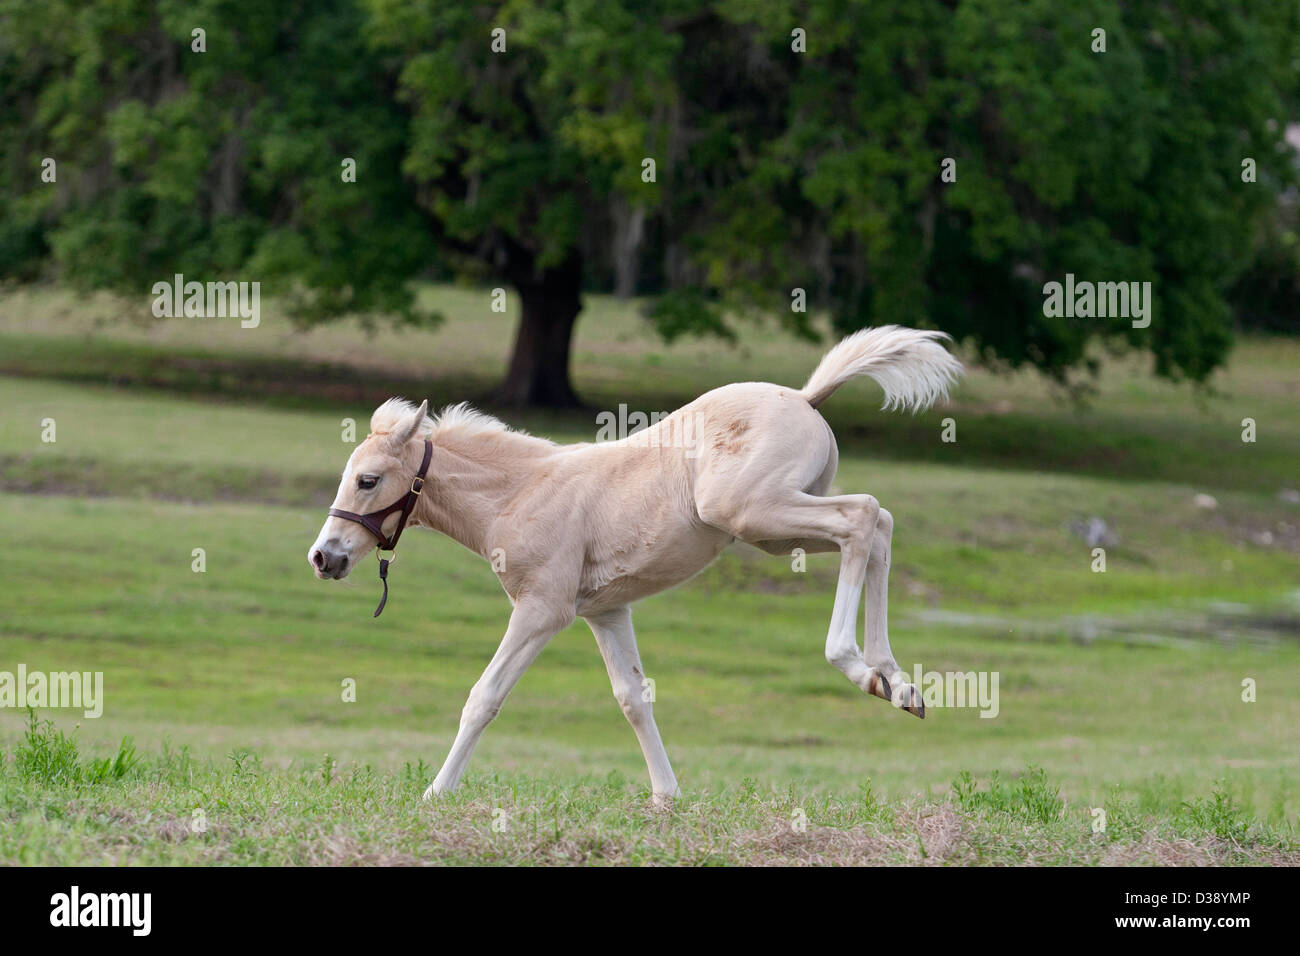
(1120, 691)
(49, 757)
(176, 808)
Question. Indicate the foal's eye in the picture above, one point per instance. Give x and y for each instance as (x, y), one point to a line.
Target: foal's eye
(367, 482)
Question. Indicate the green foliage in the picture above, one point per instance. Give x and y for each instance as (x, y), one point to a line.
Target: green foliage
(246, 761)
(218, 163)
(518, 144)
(327, 766)
(1031, 797)
(775, 169)
(874, 808)
(1123, 821)
(1116, 165)
(687, 311)
(1219, 814)
(48, 756)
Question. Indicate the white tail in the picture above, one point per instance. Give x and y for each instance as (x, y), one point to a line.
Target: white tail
(909, 364)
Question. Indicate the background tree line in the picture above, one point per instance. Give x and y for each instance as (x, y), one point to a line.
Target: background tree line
(795, 145)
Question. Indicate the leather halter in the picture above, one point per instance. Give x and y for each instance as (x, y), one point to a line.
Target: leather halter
(373, 521)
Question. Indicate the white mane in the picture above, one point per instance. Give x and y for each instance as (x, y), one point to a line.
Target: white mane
(460, 421)
(467, 421)
(387, 416)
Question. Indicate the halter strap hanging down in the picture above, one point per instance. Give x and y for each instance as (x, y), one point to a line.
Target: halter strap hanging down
(374, 521)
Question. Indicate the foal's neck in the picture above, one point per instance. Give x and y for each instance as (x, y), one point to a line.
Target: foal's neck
(471, 479)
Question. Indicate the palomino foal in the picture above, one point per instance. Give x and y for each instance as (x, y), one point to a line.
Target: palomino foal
(585, 530)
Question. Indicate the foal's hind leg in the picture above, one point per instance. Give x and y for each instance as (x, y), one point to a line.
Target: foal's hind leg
(876, 640)
(847, 520)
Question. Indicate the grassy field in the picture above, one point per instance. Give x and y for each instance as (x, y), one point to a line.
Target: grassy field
(1119, 690)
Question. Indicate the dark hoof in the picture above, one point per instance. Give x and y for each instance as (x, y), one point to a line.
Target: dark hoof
(915, 705)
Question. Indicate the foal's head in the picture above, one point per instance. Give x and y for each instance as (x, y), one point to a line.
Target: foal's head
(378, 474)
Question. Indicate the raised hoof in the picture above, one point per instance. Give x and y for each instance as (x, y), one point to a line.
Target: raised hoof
(908, 697)
(910, 701)
(879, 686)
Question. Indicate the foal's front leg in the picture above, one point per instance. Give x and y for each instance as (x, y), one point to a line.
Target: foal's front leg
(532, 625)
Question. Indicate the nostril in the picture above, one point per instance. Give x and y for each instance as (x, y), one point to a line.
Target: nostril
(318, 559)
(343, 563)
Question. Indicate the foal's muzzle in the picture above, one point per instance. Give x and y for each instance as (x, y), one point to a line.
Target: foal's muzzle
(329, 564)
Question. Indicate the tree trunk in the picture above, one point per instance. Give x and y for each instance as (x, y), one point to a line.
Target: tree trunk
(539, 366)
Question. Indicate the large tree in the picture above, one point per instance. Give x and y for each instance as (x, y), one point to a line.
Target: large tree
(530, 124)
(713, 156)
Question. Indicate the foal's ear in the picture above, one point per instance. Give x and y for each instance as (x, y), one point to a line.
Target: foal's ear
(408, 429)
